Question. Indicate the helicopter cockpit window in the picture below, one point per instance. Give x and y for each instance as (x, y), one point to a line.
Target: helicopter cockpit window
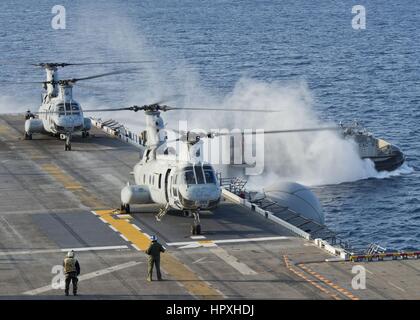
(71, 108)
(189, 177)
(209, 175)
(75, 109)
(60, 110)
(199, 173)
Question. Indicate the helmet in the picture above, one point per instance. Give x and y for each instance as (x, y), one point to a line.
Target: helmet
(153, 238)
(70, 254)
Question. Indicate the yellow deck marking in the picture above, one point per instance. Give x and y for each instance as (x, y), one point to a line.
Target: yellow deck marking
(301, 275)
(171, 265)
(6, 132)
(329, 283)
(205, 241)
(66, 180)
(132, 234)
(72, 185)
(191, 282)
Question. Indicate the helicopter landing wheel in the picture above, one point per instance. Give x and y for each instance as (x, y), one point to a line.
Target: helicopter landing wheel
(28, 136)
(68, 142)
(195, 229)
(125, 208)
(196, 226)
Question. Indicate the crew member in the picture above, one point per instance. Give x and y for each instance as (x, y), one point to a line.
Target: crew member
(29, 115)
(154, 251)
(71, 271)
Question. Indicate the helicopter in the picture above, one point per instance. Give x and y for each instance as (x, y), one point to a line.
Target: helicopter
(183, 182)
(59, 114)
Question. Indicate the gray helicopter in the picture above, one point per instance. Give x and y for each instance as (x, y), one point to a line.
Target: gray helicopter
(59, 113)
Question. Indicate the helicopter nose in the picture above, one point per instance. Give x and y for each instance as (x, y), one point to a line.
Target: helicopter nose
(69, 122)
(201, 195)
(201, 192)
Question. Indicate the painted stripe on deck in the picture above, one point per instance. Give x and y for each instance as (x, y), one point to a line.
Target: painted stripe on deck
(232, 261)
(86, 277)
(171, 265)
(190, 244)
(63, 250)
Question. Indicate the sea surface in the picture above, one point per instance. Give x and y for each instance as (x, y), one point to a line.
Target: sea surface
(205, 47)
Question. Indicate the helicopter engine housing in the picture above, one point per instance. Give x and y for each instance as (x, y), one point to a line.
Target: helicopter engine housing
(87, 124)
(135, 194)
(34, 126)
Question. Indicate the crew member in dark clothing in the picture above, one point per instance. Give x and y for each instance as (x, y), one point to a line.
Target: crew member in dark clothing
(29, 115)
(71, 271)
(154, 251)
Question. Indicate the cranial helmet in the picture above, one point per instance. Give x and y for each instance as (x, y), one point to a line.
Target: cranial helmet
(70, 254)
(153, 238)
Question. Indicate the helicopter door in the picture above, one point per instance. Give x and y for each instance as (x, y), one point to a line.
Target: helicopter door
(167, 186)
(175, 187)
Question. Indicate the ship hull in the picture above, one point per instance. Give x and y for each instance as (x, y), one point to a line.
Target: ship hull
(388, 163)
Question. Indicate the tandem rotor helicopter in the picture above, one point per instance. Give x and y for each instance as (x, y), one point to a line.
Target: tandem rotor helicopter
(59, 114)
(183, 182)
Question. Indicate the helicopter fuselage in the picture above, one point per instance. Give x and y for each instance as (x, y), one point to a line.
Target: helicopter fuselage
(161, 176)
(59, 115)
(182, 185)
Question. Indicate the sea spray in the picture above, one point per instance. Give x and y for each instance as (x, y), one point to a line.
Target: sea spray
(310, 158)
(314, 158)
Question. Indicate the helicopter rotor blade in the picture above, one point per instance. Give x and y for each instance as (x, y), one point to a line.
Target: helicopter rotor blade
(107, 63)
(109, 109)
(21, 82)
(223, 109)
(168, 99)
(74, 80)
(159, 107)
(284, 131)
(192, 137)
(65, 64)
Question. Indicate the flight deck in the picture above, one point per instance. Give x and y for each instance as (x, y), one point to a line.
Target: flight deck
(52, 200)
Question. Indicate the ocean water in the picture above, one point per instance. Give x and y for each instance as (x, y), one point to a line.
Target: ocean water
(204, 49)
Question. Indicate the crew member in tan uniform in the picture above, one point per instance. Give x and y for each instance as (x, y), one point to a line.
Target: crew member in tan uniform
(71, 271)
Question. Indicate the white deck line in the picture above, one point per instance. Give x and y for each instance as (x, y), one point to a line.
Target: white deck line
(228, 241)
(232, 261)
(5, 253)
(86, 277)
